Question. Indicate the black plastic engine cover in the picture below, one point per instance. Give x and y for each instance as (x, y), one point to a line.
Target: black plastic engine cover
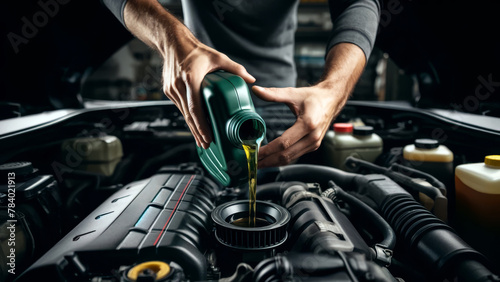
(165, 217)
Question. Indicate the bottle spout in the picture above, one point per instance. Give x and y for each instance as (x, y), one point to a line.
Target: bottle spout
(245, 125)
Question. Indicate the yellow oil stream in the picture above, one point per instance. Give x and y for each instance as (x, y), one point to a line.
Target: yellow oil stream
(251, 148)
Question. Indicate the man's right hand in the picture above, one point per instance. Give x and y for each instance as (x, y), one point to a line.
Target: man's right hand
(183, 73)
(186, 61)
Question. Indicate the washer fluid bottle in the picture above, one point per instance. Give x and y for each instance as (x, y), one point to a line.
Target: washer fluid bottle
(347, 140)
(370, 145)
(233, 119)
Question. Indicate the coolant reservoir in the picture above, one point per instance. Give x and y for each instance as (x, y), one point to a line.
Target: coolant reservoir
(347, 140)
(477, 188)
(98, 155)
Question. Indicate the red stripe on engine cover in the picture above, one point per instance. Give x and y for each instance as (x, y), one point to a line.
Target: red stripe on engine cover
(173, 211)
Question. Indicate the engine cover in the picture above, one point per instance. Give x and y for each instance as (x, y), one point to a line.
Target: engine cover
(166, 216)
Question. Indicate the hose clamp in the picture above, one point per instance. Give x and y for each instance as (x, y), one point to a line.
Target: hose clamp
(383, 255)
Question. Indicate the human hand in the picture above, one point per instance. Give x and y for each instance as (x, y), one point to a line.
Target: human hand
(186, 61)
(315, 107)
(185, 67)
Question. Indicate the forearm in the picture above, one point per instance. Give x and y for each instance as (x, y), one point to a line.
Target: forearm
(343, 67)
(155, 26)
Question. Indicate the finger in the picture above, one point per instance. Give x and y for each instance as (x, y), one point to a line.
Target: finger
(196, 137)
(286, 140)
(279, 95)
(305, 145)
(235, 68)
(192, 82)
(180, 90)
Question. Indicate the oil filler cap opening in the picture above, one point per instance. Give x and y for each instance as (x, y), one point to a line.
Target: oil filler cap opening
(154, 270)
(269, 232)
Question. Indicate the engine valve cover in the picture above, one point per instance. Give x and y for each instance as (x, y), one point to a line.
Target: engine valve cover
(165, 217)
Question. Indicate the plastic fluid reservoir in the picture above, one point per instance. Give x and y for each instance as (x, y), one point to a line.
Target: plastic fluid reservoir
(347, 140)
(429, 156)
(477, 188)
(233, 119)
(478, 205)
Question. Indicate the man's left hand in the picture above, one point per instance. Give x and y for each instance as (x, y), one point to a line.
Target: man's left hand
(315, 107)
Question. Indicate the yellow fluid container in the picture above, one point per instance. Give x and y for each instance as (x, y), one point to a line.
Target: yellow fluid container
(429, 156)
(477, 188)
(427, 150)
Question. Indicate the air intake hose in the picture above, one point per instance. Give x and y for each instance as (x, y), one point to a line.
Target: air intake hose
(440, 251)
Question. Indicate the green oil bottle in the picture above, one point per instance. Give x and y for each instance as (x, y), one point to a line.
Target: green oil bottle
(237, 133)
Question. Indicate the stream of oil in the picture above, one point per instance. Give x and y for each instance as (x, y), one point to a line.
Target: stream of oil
(251, 148)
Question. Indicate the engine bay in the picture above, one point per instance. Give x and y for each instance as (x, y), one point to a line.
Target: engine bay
(117, 193)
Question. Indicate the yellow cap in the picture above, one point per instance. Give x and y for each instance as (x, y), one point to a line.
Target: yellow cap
(161, 269)
(493, 160)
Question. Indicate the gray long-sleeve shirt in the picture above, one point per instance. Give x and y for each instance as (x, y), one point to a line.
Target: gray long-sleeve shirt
(259, 34)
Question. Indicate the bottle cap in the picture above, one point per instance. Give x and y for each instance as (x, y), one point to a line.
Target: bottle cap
(493, 160)
(426, 143)
(342, 127)
(362, 130)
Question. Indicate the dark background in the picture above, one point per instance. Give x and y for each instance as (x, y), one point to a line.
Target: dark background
(432, 53)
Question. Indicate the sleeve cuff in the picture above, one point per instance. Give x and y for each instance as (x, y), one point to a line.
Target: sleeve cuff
(357, 25)
(116, 7)
(351, 36)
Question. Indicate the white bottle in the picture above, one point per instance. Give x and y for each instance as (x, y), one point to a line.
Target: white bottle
(346, 140)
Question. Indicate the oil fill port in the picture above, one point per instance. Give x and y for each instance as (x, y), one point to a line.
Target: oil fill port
(150, 271)
(242, 241)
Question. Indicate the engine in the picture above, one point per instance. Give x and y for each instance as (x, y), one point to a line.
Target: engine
(140, 215)
(178, 226)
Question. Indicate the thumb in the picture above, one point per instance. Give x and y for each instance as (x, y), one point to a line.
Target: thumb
(237, 69)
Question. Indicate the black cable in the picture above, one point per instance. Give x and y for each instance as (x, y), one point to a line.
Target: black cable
(429, 178)
(388, 234)
(347, 267)
(432, 192)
